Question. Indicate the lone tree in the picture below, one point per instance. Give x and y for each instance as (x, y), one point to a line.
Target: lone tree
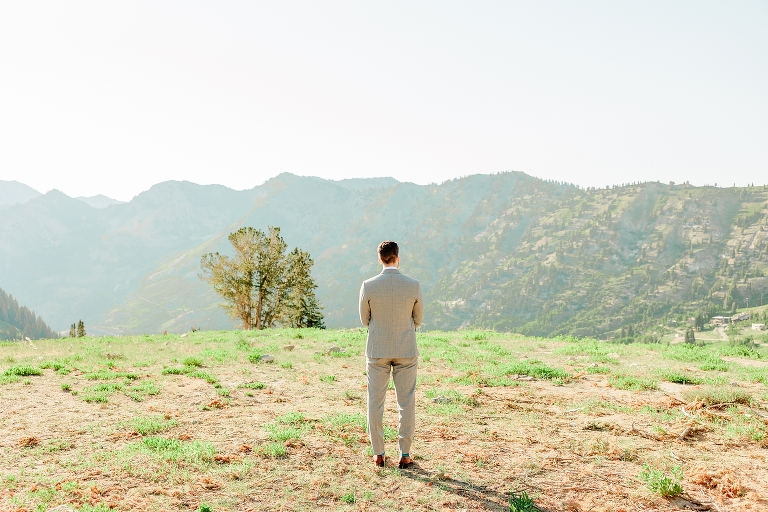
(262, 285)
(690, 337)
(80, 329)
(73, 331)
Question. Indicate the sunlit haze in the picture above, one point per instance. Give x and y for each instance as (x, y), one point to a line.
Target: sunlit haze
(113, 97)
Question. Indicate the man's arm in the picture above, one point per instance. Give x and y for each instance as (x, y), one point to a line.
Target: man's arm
(418, 307)
(365, 307)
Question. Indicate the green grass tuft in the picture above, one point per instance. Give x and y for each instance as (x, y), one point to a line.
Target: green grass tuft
(22, 371)
(273, 450)
(632, 383)
(147, 425)
(679, 377)
(253, 385)
(521, 502)
(718, 395)
(660, 483)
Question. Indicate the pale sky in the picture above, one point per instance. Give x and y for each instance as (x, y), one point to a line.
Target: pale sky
(112, 97)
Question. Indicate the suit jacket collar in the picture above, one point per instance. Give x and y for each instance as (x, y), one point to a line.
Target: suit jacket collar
(390, 271)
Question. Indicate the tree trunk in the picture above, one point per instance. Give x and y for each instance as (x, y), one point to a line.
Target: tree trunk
(258, 310)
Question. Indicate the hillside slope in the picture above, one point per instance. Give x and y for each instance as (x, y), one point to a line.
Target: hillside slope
(504, 251)
(19, 322)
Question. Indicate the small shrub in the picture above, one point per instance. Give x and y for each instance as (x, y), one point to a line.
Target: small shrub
(328, 379)
(66, 387)
(204, 507)
(287, 366)
(348, 498)
(254, 357)
(193, 361)
(660, 483)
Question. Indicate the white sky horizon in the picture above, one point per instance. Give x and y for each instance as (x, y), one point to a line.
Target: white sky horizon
(113, 97)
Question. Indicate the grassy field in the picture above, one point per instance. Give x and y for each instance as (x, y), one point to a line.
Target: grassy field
(275, 420)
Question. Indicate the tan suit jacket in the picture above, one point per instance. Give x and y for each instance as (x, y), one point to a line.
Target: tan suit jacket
(392, 307)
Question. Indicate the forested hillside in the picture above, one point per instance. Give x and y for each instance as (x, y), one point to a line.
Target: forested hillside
(591, 262)
(19, 322)
(504, 251)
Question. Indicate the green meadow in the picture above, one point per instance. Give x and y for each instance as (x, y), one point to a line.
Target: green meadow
(275, 420)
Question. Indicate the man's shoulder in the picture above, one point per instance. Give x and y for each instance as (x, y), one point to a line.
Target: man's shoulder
(386, 276)
(407, 279)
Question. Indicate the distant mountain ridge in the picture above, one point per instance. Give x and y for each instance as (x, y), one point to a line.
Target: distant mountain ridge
(504, 251)
(99, 201)
(13, 192)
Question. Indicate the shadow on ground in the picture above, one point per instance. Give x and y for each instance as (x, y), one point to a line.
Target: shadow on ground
(487, 498)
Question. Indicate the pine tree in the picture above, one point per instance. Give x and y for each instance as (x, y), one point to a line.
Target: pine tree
(80, 329)
(262, 285)
(689, 336)
(73, 331)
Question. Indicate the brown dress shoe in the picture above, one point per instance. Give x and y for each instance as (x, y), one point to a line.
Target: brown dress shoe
(405, 463)
(379, 461)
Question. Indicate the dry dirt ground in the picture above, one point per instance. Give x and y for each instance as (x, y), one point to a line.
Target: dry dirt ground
(200, 422)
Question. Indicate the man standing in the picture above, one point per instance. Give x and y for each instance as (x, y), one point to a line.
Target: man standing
(391, 306)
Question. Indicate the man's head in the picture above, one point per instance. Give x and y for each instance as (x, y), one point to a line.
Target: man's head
(388, 253)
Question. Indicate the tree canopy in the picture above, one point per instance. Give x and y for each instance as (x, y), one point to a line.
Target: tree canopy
(262, 285)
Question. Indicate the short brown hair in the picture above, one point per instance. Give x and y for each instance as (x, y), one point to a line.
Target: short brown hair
(388, 251)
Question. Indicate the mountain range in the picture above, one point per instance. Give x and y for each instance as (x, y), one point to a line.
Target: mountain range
(506, 251)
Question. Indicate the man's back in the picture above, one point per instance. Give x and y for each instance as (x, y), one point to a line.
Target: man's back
(391, 305)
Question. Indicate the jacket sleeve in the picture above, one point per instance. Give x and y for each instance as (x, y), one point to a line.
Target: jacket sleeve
(418, 307)
(365, 307)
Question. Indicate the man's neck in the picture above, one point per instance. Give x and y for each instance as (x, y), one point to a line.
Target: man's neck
(389, 267)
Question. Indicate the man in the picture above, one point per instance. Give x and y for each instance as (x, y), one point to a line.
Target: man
(391, 306)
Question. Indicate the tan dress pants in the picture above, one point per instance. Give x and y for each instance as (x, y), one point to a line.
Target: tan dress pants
(404, 375)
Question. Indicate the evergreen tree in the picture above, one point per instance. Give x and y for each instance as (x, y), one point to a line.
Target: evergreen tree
(73, 331)
(19, 322)
(262, 285)
(689, 336)
(80, 329)
(699, 322)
